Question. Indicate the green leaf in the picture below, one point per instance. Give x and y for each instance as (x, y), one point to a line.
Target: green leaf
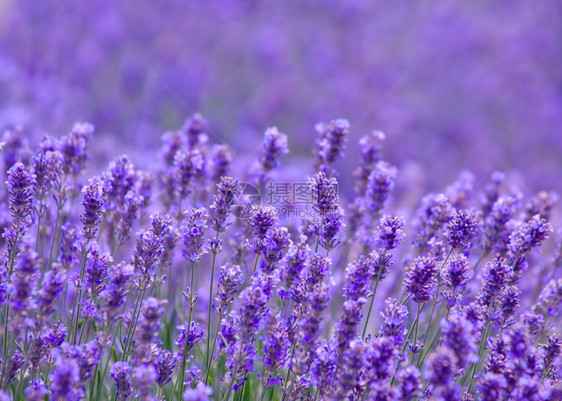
(114, 352)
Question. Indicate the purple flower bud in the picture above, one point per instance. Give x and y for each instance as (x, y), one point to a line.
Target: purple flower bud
(119, 178)
(193, 232)
(121, 373)
(324, 194)
(380, 183)
(149, 322)
(53, 284)
(117, 290)
(200, 393)
(550, 298)
(74, 148)
(147, 253)
(96, 270)
(274, 145)
(421, 279)
(461, 229)
(144, 376)
(394, 321)
(529, 235)
(433, 214)
(390, 232)
(371, 145)
(273, 248)
(21, 181)
(186, 341)
(221, 159)
(227, 190)
(127, 215)
(186, 166)
(330, 144)
(229, 280)
(165, 362)
(496, 275)
(93, 208)
(36, 391)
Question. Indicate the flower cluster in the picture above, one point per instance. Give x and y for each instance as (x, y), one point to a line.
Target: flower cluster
(458, 300)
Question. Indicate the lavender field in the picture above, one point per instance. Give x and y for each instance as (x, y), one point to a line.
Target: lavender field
(280, 201)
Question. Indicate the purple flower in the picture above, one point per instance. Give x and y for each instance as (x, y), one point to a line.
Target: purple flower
(53, 284)
(144, 376)
(330, 144)
(194, 127)
(410, 383)
(36, 391)
(394, 321)
(550, 298)
(74, 148)
(491, 387)
(371, 145)
(186, 341)
(324, 194)
(529, 235)
(69, 245)
(96, 270)
(121, 373)
(274, 145)
(119, 178)
(93, 208)
(460, 337)
(276, 347)
(390, 232)
(200, 393)
(496, 274)
(21, 182)
(455, 277)
(433, 214)
(330, 227)
(229, 280)
(441, 371)
(421, 279)
(193, 233)
(358, 278)
(64, 381)
(221, 159)
(496, 232)
(148, 250)
(149, 323)
(132, 202)
(12, 368)
(186, 166)
(261, 221)
(461, 229)
(165, 362)
(346, 328)
(273, 248)
(117, 289)
(380, 183)
(227, 190)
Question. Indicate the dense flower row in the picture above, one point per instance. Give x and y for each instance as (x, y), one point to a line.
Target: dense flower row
(209, 301)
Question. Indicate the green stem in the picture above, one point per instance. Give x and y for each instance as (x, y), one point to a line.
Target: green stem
(211, 301)
(377, 280)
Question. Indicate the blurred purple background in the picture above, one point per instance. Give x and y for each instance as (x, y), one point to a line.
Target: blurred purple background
(475, 85)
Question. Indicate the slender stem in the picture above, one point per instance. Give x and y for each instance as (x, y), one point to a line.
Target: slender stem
(211, 300)
(181, 376)
(53, 237)
(377, 280)
(81, 279)
(420, 307)
(133, 323)
(213, 344)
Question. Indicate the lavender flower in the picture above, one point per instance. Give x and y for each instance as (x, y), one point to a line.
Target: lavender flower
(370, 154)
(421, 279)
(330, 144)
(199, 393)
(229, 280)
(221, 159)
(496, 274)
(274, 145)
(227, 190)
(186, 341)
(357, 278)
(121, 373)
(64, 381)
(461, 229)
(143, 377)
(74, 148)
(273, 248)
(528, 236)
(21, 181)
(93, 208)
(149, 322)
(96, 270)
(496, 231)
(186, 166)
(147, 253)
(276, 348)
(193, 232)
(36, 391)
(433, 214)
(117, 289)
(459, 336)
(394, 321)
(69, 247)
(165, 362)
(455, 277)
(53, 284)
(119, 178)
(390, 232)
(128, 214)
(380, 183)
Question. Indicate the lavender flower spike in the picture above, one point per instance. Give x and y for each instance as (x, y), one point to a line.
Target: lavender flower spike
(93, 208)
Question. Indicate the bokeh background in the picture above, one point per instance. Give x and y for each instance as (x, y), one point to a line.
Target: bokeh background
(454, 85)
